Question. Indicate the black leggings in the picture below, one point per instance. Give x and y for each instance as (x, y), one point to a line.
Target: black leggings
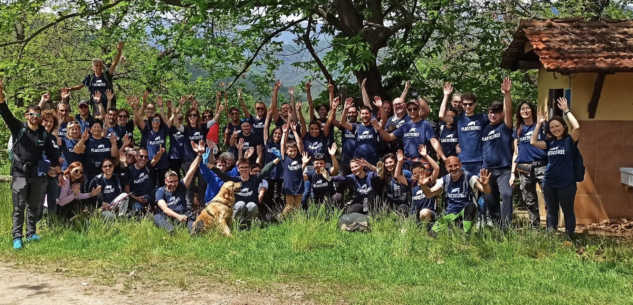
(563, 198)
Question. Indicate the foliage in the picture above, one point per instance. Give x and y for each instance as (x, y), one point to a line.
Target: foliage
(396, 263)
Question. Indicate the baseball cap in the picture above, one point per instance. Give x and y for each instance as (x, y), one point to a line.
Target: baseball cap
(83, 102)
(414, 102)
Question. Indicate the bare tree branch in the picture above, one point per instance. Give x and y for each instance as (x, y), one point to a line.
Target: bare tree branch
(261, 45)
(315, 56)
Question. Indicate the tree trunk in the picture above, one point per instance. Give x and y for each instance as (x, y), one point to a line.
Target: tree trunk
(374, 83)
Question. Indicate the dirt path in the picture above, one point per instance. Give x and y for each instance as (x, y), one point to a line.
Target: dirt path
(22, 286)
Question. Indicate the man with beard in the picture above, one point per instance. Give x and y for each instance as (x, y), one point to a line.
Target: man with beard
(460, 188)
(348, 138)
(367, 138)
(29, 144)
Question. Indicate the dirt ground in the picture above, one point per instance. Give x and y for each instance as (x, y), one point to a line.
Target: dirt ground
(23, 286)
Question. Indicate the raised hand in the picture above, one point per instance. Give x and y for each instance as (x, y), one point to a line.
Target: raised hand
(364, 163)
(284, 128)
(506, 86)
(222, 108)
(65, 92)
(424, 180)
(422, 150)
(305, 158)
(168, 104)
(377, 101)
(161, 150)
(376, 124)
(95, 191)
(484, 176)
(407, 85)
(562, 104)
(190, 98)
(126, 140)
(97, 96)
(400, 155)
(298, 106)
(183, 100)
(76, 189)
(218, 94)
(198, 148)
(85, 136)
(333, 149)
(308, 85)
(349, 102)
(235, 132)
(46, 97)
(542, 117)
(330, 87)
(277, 85)
(145, 96)
(293, 125)
(249, 152)
(448, 88)
(112, 139)
(362, 85)
(119, 46)
(159, 101)
(240, 144)
(335, 103)
(291, 90)
(195, 104)
(109, 94)
(239, 93)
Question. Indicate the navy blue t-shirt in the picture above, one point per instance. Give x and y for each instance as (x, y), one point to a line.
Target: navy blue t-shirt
(110, 188)
(176, 143)
(232, 128)
(257, 126)
(497, 146)
(397, 192)
(349, 144)
(448, 140)
(69, 156)
(393, 120)
(321, 188)
(527, 152)
(277, 170)
(249, 191)
(96, 151)
(293, 176)
(413, 135)
(251, 140)
(141, 181)
(315, 145)
(100, 84)
(366, 142)
(191, 134)
(470, 130)
(458, 193)
(176, 201)
(559, 172)
(291, 136)
(119, 131)
(63, 130)
(84, 124)
(154, 141)
(363, 187)
(419, 201)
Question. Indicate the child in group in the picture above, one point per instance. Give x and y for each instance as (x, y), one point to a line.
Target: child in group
(321, 186)
(425, 209)
(293, 168)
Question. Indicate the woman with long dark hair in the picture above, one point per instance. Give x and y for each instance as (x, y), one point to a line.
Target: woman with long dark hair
(397, 192)
(155, 132)
(559, 181)
(192, 132)
(274, 198)
(529, 162)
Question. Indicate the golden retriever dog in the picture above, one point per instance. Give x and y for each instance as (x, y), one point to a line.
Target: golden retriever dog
(218, 211)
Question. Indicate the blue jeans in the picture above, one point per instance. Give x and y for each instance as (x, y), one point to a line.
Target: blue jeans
(165, 222)
(138, 207)
(52, 193)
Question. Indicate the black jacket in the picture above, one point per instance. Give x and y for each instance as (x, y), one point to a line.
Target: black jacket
(30, 147)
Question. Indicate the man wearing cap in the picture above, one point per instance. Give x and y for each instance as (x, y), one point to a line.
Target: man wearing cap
(413, 134)
(84, 117)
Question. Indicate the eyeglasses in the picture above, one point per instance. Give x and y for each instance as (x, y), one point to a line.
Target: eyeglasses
(260, 108)
(235, 113)
(142, 156)
(156, 121)
(83, 106)
(413, 109)
(79, 172)
(207, 116)
(34, 114)
(123, 116)
(468, 104)
(106, 166)
(193, 115)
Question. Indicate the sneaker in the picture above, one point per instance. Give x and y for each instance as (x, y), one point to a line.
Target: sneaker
(33, 237)
(17, 243)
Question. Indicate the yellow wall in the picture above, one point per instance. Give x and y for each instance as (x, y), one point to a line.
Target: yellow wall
(616, 100)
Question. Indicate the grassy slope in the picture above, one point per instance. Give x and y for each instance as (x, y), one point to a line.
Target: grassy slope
(385, 266)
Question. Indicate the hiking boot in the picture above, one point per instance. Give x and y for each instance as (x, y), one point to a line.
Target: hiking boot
(33, 237)
(17, 243)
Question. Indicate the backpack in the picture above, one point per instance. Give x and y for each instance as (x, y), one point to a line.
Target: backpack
(578, 163)
(22, 131)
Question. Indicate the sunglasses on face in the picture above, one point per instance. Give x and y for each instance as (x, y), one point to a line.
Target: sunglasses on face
(34, 114)
(155, 121)
(235, 113)
(106, 166)
(142, 156)
(207, 116)
(193, 115)
(78, 172)
(468, 104)
(413, 109)
(83, 106)
(260, 108)
(123, 116)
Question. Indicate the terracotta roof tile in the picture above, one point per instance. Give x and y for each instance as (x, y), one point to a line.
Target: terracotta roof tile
(573, 45)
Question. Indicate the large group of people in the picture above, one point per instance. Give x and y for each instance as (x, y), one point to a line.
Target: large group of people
(459, 171)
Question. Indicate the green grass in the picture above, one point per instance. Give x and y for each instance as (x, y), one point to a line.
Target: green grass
(387, 266)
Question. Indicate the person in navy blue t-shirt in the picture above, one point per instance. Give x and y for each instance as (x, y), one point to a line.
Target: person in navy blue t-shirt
(363, 186)
(497, 158)
(460, 188)
(321, 186)
(171, 198)
(96, 147)
(559, 182)
(470, 126)
(293, 185)
(449, 139)
(100, 80)
(425, 209)
(288, 112)
(68, 145)
(322, 110)
(139, 183)
(192, 132)
(529, 162)
(367, 137)
(273, 198)
(348, 140)
(248, 140)
(413, 134)
(156, 132)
